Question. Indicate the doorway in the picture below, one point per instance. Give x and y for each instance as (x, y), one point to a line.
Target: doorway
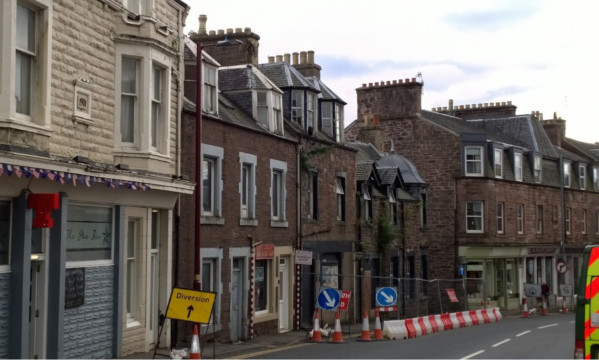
(283, 294)
(38, 294)
(237, 303)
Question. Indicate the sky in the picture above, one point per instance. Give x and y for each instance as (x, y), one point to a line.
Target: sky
(540, 55)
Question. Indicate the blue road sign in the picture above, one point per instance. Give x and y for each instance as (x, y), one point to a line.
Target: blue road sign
(329, 299)
(461, 270)
(386, 296)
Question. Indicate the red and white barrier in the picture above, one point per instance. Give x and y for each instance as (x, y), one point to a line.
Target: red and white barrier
(474, 317)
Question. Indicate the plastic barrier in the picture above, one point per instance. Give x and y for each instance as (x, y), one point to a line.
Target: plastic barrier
(474, 317)
(457, 320)
(432, 320)
(482, 315)
(395, 329)
(411, 327)
(425, 326)
(447, 323)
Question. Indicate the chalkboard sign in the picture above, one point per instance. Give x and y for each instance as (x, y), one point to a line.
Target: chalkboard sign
(74, 288)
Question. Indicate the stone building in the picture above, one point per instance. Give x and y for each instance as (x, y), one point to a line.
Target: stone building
(90, 103)
(504, 203)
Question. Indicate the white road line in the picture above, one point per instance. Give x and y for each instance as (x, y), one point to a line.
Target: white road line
(523, 333)
(500, 343)
(473, 355)
(546, 326)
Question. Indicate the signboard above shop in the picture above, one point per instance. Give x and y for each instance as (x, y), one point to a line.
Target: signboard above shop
(265, 252)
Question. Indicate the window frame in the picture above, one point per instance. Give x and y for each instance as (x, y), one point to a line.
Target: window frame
(583, 221)
(311, 111)
(567, 169)
(568, 221)
(339, 119)
(367, 201)
(539, 219)
(498, 162)
(266, 280)
(520, 218)
(518, 166)
(297, 111)
(247, 162)
(500, 217)
(340, 198)
(132, 261)
(312, 195)
(216, 155)
(480, 216)
(479, 160)
(278, 178)
(538, 168)
(70, 236)
(582, 176)
(209, 88)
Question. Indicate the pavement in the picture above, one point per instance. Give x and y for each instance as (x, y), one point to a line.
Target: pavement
(264, 344)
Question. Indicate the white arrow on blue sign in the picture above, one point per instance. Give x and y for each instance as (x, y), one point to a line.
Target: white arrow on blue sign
(386, 296)
(328, 298)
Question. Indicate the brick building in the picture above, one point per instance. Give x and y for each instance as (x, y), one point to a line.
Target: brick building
(89, 114)
(504, 203)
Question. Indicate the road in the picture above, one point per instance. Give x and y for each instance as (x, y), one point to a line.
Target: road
(540, 337)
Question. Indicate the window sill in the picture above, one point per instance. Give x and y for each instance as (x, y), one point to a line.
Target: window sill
(25, 125)
(212, 220)
(279, 224)
(248, 222)
(132, 323)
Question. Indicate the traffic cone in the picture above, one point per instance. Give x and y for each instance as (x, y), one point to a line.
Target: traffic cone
(316, 335)
(365, 331)
(378, 332)
(337, 335)
(524, 308)
(564, 308)
(195, 344)
(544, 312)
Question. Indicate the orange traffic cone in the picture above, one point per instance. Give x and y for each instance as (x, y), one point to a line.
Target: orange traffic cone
(365, 331)
(378, 332)
(337, 335)
(524, 308)
(316, 335)
(195, 344)
(564, 308)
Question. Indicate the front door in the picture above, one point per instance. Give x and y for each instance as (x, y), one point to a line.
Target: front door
(283, 294)
(37, 295)
(237, 300)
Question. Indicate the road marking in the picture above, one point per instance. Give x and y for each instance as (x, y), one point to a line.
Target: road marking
(523, 333)
(546, 326)
(264, 352)
(500, 343)
(473, 354)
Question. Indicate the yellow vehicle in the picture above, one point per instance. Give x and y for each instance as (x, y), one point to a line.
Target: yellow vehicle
(586, 341)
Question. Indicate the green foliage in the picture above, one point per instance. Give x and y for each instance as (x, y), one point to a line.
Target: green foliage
(307, 156)
(385, 234)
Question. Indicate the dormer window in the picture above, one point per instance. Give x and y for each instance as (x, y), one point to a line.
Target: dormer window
(268, 110)
(582, 176)
(518, 166)
(210, 89)
(326, 113)
(297, 106)
(277, 109)
(311, 106)
(566, 174)
(338, 123)
(498, 162)
(367, 201)
(262, 107)
(596, 178)
(537, 169)
(474, 160)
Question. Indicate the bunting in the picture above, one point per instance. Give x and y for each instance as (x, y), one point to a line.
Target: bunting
(69, 178)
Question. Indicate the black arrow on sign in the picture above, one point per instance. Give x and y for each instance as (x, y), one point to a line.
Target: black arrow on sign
(189, 310)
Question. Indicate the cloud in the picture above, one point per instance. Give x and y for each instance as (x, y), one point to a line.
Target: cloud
(493, 19)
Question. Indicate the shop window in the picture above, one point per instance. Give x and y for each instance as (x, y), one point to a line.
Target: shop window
(262, 288)
(330, 271)
(89, 233)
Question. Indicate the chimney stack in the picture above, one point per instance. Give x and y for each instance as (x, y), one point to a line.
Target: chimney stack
(203, 19)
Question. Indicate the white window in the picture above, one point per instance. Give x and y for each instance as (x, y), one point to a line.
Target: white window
(518, 166)
(568, 221)
(212, 260)
(474, 160)
(583, 222)
(538, 169)
(500, 216)
(474, 217)
(262, 107)
(212, 157)
(278, 192)
(326, 111)
(247, 185)
(297, 106)
(339, 123)
(498, 162)
(566, 174)
(539, 219)
(582, 175)
(520, 218)
(210, 101)
(131, 300)
(26, 62)
(82, 223)
(367, 214)
(277, 108)
(311, 109)
(340, 199)
(142, 113)
(138, 7)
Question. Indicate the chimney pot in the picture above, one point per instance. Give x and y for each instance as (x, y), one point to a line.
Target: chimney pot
(310, 57)
(407, 81)
(444, 108)
(247, 30)
(229, 30)
(287, 58)
(413, 80)
(237, 30)
(202, 19)
(450, 104)
(509, 103)
(271, 59)
(363, 85)
(400, 81)
(467, 106)
(394, 82)
(554, 115)
(221, 32)
(212, 32)
(303, 56)
(279, 58)
(295, 58)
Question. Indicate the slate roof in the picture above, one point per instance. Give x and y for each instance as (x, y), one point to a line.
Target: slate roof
(244, 77)
(286, 76)
(191, 51)
(590, 150)
(409, 173)
(325, 92)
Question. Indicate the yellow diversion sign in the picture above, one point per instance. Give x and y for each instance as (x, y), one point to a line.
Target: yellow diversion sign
(190, 305)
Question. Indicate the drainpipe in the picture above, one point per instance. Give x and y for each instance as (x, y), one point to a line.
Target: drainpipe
(298, 268)
(563, 205)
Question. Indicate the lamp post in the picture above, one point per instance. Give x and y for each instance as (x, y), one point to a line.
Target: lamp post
(197, 281)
